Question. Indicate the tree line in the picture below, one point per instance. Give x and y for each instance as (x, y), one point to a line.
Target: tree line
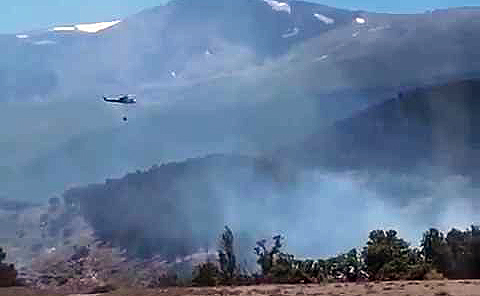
(384, 257)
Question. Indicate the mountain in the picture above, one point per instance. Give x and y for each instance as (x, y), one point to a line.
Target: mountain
(192, 66)
(427, 127)
(242, 78)
(409, 159)
(184, 39)
(176, 208)
(211, 78)
(220, 51)
(82, 154)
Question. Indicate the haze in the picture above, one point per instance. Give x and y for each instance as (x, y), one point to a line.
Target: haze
(324, 122)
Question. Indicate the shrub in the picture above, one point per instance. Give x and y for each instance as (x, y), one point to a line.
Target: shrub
(433, 275)
(3, 255)
(388, 257)
(417, 272)
(206, 274)
(8, 274)
(265, 256)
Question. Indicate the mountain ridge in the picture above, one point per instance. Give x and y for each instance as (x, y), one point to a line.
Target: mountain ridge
(215, 46)
(430, 126)
(210, 86)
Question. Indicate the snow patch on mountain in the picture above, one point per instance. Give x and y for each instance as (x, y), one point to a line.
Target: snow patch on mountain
(87, 28)
(324, 19)
(64, 29)
(360, 20)
(173, 74)
(22, 36)
(279, 6)
(294, 32)
(44, 42)
(96, 27)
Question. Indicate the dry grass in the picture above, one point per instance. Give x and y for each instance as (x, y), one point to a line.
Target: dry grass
(431, 288)
(25, 292)
(442, 293)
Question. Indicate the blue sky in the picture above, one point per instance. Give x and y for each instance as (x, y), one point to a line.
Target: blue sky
(21, 15)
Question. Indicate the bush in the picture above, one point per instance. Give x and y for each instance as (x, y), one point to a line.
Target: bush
(170, 279)
(388, 257)
(8, 274)
(279, 267)
(265, 256)
(418, 272)
(101, 289)
(206, 274)
(3, 255)
(434, 275)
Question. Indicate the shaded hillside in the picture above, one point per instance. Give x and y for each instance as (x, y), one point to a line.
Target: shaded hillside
(177, 208)
(173, 209)
(158, 135)
(435, 126)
